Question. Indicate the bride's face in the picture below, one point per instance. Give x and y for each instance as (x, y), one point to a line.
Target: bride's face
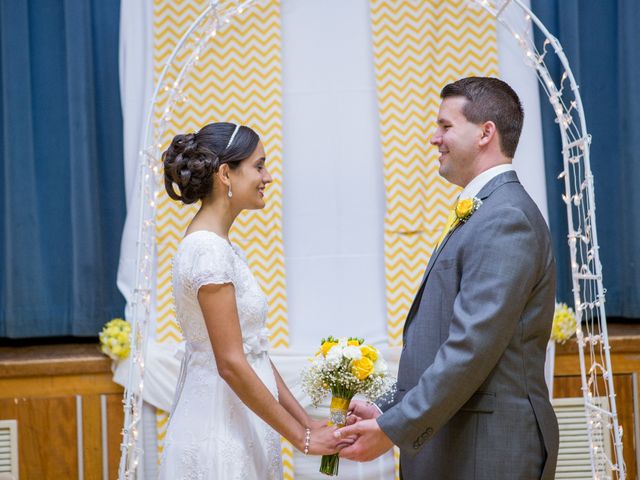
(249, 180)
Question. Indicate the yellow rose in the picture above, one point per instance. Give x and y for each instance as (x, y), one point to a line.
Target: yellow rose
(370, 352)
(353, 343)
(464, 207)
(362, 368)
(326, 346)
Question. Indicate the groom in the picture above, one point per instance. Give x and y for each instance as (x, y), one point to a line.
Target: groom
(471, 401)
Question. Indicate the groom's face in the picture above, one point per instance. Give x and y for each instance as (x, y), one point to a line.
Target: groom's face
(457, 142)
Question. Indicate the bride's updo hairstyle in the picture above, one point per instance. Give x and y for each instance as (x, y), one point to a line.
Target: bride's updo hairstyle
(193, 158)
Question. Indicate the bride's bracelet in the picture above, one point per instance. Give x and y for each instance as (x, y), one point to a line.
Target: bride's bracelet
(307, 440)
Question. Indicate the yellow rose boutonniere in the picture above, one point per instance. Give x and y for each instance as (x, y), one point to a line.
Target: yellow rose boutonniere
(362, 368)
(466, 207)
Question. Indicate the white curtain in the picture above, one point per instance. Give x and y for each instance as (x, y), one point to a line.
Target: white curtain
(333, 203)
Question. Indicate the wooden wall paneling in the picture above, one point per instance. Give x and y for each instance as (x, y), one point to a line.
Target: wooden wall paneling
(92, 437)
(115, 415)
(47, 438)
(47, 435)
(39, 387)
(50, 386)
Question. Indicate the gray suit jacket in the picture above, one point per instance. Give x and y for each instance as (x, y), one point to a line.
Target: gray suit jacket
(472, 402)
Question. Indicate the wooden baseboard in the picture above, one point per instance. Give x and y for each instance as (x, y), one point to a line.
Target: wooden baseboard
(61, 397)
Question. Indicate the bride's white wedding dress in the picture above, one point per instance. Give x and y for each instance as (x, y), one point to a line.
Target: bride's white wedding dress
(211, 433)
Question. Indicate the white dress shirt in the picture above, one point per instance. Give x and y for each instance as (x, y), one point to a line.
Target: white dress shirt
(474, 186)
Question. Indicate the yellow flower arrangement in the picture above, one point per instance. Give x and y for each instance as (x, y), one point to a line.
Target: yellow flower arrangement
(466, 207)
(564, 323)
(115, 339)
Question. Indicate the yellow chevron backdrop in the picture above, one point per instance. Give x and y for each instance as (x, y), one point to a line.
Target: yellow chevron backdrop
(238, 79)
(419, 46)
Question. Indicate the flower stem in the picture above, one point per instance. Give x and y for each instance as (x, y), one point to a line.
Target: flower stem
(329, 464)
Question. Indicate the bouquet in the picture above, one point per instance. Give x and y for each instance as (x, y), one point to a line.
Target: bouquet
(564, 323)
(345, 367)
(115, 339)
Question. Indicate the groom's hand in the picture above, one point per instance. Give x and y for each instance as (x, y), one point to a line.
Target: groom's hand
(362, 411)
(371, 443)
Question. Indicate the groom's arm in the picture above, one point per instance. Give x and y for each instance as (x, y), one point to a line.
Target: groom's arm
(500, 267)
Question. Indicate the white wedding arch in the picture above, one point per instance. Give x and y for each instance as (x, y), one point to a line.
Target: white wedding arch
(519, 21)
(586, 269)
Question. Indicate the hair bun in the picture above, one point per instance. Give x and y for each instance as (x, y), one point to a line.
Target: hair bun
(190, 167)
(185, 143)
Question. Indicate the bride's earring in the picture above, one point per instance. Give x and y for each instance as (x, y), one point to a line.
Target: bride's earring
(229, 194)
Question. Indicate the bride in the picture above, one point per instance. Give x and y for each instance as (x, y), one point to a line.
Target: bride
(231, 405)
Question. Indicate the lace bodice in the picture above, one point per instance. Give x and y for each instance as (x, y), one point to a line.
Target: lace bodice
(206, 258)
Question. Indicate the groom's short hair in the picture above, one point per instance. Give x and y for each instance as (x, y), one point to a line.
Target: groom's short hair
(490, 99)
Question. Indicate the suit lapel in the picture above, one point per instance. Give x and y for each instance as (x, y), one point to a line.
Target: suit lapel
(430, 264)
(488, 189)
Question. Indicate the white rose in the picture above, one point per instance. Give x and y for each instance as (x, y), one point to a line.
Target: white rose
(352, 352)
(380, 366)
(334, 356)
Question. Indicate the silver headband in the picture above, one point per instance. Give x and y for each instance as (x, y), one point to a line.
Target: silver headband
(233, 135)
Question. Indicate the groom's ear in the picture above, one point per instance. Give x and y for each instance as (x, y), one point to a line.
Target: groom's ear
(489, 132)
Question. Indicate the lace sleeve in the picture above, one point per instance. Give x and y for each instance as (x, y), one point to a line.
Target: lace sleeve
(212, 264)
